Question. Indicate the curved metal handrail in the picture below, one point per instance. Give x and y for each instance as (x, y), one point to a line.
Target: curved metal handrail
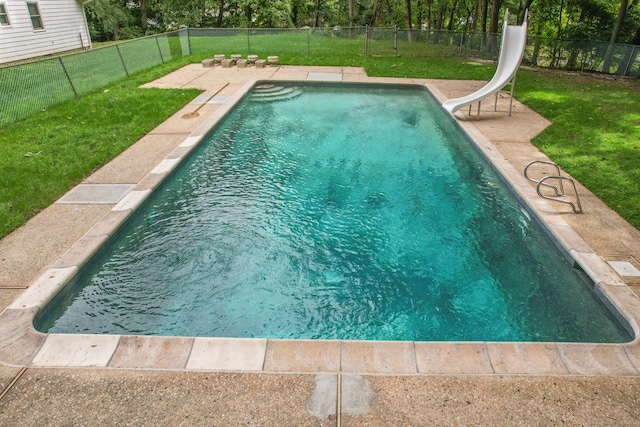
(577, 209)
(545, 162)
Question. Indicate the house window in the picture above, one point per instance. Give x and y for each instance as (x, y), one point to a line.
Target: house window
(4, 16)
(34, 13)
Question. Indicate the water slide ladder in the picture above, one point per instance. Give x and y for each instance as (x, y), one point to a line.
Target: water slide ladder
(514, 42)
(559, 194)
(511, 85)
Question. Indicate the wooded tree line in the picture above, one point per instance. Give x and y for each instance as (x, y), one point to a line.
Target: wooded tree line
(617, 21)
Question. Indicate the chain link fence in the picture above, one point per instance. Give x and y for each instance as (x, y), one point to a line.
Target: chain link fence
(291, 42)
(574, 55)
(33, 86)
(30, 87)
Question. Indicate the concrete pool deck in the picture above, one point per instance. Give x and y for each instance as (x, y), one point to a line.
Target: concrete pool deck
(298, 382)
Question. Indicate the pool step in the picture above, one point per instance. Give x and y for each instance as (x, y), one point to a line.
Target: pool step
(269, 93)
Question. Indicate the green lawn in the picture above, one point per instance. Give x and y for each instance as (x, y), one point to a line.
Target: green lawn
(46, 154)
(595, 134)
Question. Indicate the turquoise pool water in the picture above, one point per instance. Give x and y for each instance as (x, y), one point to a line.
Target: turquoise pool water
(346, 212)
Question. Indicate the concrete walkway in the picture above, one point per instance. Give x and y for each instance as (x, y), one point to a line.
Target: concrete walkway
(90, 396)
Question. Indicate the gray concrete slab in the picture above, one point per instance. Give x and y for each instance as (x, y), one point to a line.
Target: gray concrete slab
(500, 401)
(152, 398)
(96, 194)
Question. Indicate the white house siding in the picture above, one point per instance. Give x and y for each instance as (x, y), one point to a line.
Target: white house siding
(64, 29)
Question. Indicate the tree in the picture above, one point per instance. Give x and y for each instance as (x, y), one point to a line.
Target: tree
(493, 26)
(184, 12)
(110, 20)
(614, 36)
(409, 24)
(352, 12)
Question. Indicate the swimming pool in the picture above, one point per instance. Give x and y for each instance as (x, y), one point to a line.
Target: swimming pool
(395, 236)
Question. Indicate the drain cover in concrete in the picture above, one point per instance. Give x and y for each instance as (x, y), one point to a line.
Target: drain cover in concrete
(331, 77)
(624, 268)
(96, 194)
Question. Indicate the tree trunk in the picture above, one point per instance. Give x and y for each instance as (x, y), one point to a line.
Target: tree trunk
(527, 6)
(374, 13)
(493, 26)
(409, 20)
(560, 19)
(249, 13)
(476, 15)
(536, 47)
(485, 10)
(452, 15)
(352, 12)
(614, 36)
(441, 15)
(573, 55)
(220, 14)
(144, 16)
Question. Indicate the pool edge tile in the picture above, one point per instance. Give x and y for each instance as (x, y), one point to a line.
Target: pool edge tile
(596, 268)
(526, 358)
(222, 112)
(378, 357)
(624, 304)
(19, 341)
(227, 354)
(76, 350)
(302, 356)
(166, 166)
(151, 352)
(81, 251)
(596, 359)
(109, 223)
(453, 358)
(40, 292)
(151, 181)
(132, 200)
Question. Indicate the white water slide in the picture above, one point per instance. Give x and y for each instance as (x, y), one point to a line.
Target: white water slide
(514, 40)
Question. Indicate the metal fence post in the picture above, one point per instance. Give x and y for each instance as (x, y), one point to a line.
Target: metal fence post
(68, 77)
(307, 41)
(366, 38)
(189, 41)
(122, 59)
(627, 68)
(159, 49)
(248, 41)
(395, 40)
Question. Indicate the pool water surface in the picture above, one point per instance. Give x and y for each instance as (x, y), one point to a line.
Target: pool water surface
(345, 212)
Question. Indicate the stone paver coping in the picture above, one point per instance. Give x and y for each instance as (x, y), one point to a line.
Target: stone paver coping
(22, 345)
